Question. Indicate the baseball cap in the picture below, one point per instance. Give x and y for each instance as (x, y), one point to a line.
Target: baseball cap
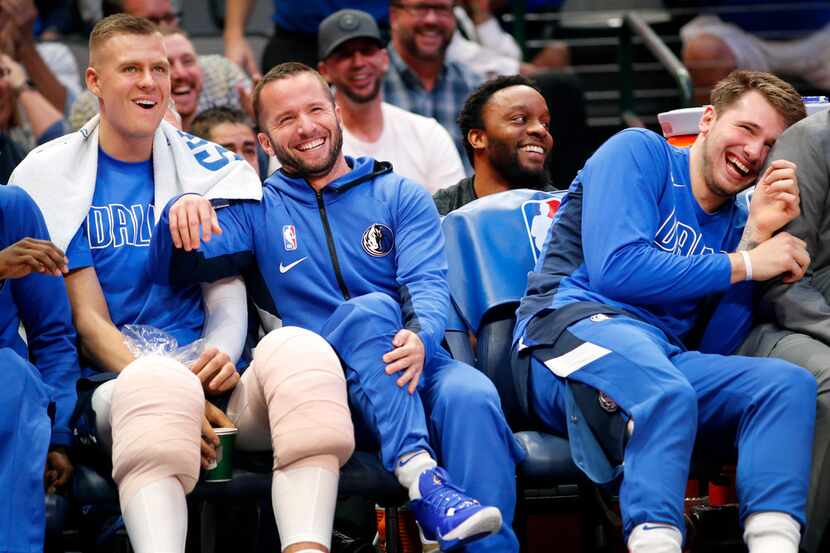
(345, 25)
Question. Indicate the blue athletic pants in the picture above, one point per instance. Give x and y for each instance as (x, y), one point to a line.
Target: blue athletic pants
(25, 431)
(456, 413)
(761, 409)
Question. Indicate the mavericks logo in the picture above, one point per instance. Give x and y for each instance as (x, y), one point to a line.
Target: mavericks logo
(378, 240)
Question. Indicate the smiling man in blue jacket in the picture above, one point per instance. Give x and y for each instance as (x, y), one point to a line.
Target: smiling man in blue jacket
(641, 293)
(39, 374)
(350, 250)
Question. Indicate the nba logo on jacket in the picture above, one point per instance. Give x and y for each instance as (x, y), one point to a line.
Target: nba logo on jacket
(289, 238)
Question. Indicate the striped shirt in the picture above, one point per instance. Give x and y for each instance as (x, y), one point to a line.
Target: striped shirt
(403, 88)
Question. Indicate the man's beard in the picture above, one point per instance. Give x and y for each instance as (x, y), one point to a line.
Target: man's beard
(708, 173)
(361, 98)
(505, 160)
(295, 166)
(411, 46)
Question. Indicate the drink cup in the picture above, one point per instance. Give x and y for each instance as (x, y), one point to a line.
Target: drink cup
(221, 470)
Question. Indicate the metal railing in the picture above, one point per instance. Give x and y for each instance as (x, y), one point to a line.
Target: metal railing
(634, 24)
(557, 16)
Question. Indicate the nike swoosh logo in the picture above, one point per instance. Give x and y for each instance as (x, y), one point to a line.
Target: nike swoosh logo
(286, 268)
(646, 527)
(402, 463)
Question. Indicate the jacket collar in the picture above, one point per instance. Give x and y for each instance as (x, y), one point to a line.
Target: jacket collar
(363, 169)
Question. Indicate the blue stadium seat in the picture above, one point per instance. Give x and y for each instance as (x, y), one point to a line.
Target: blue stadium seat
(492, 243)
(57, 507)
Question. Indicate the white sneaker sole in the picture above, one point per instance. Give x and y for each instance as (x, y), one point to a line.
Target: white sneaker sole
(486, 521)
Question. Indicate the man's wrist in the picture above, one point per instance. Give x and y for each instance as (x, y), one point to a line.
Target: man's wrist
(752, 236)
(738, 269)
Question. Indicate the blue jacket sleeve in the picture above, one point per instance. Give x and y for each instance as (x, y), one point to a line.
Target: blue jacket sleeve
(44, 310)
(623, 184)
(421, 266)
(227, 254)
(730, 321)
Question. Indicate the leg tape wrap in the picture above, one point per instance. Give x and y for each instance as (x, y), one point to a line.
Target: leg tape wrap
(157, 410)
(304, 389)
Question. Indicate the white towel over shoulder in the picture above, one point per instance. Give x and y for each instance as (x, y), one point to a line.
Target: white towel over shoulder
(60, 175)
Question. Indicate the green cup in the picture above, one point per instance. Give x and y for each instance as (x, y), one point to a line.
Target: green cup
(221, 470)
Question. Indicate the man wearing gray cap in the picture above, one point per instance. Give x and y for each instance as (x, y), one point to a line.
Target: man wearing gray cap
(354, 60)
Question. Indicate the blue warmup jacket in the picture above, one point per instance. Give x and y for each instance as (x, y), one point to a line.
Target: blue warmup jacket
(630, 237)
(303, 253)
(41, 304)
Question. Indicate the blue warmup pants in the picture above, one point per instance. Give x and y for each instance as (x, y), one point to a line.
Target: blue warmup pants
(25, 430)
(763, 409)
(456, 413)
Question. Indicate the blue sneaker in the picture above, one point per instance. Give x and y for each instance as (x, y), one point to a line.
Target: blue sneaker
(445, 514)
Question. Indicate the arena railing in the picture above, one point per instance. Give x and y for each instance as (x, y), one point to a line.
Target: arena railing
(634, 24)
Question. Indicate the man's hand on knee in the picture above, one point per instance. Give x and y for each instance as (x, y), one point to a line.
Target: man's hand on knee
(407, 355)
(214, 418)
(215, 371)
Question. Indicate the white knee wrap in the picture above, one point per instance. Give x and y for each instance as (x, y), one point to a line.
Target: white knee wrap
(157, 410)
(305, 391)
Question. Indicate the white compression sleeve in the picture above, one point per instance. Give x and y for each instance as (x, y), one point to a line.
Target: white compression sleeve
(304, 500)
(226, 315)
(156, 518)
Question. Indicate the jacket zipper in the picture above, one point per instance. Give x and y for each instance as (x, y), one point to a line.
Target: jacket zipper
(330, 241)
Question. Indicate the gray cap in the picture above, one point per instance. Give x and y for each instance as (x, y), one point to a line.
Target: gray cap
(345, 25)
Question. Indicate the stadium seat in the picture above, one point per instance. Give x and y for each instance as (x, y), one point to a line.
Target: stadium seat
(57, 507)
(491, 245)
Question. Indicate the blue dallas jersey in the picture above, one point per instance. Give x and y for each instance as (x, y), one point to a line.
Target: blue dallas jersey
(40, 303)
(304, 253)
(631, 236)
(115, 240)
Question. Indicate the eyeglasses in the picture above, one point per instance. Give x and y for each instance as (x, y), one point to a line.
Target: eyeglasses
(169, 18)
(422, 10)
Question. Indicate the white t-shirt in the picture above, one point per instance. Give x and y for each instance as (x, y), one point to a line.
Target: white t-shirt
(418, 147)
(488, 49)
